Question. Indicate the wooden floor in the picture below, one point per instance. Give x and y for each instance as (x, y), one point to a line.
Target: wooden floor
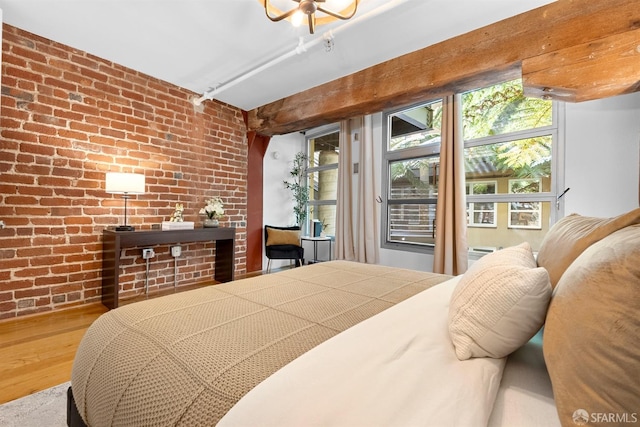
(36, 352)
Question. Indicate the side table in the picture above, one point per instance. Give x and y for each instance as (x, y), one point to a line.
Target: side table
(315, 241)
(114, 241)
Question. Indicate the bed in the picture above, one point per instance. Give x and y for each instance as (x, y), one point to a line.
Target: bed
(344, 343)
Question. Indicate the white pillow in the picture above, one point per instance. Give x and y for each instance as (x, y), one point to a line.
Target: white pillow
(499, 304)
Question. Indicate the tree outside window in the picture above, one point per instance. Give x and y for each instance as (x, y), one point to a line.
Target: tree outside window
(509, 143)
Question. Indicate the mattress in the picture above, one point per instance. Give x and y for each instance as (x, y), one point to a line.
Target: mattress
(186, 359)
(398, 368)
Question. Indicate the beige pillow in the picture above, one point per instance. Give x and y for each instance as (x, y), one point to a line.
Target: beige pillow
(591, 338)
(282, 237)
(570, 236)
(499, 304)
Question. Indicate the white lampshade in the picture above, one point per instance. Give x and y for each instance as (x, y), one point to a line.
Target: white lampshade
(124, 183)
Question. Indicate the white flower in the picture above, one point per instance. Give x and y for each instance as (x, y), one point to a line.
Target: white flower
(214, 208)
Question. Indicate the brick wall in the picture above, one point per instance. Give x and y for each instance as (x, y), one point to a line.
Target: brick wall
(67, 117)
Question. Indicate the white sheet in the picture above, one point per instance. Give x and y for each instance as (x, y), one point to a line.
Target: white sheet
(525, 396)
(397, 368)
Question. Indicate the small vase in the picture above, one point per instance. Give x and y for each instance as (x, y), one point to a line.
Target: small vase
(210, 223)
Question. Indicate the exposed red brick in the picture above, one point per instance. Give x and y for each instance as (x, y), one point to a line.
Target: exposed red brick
(69, 117)
(34, 292)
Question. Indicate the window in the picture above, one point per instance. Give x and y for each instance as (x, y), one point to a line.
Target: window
(481, 214)
(525, 214)
(322, 177)
(511, 140)
(510, 150)
(412, 160)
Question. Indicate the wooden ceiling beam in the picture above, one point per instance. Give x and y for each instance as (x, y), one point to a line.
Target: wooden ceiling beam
(488, 55)
(594, 70)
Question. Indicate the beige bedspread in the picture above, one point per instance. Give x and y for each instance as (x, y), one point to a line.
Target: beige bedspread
(186, 359)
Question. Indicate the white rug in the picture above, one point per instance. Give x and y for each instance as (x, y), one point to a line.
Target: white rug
(46, 408)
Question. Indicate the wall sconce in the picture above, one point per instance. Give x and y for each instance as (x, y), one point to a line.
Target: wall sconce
(125, 184)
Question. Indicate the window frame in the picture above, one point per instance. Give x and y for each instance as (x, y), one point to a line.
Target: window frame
(391, 156)
(555, 130)
(510, 210)
(471, 205)
(311, 204)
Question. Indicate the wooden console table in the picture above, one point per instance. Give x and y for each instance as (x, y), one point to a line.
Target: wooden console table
(114, 241)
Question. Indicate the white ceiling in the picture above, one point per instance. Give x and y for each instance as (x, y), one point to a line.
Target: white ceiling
(202, 44)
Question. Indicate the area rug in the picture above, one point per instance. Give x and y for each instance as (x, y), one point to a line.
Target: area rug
(46, 408)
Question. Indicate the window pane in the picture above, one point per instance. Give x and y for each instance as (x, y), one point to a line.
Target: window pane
(323, 150)
(524, 186)
(415, 178)
(481, 187)
(323, 185)
(481, 214)
(505, 161)
(525, 215)
(515, 223)
(326, 214)
(414, 127)
(501, 109)
(412, 223)
(322, 179)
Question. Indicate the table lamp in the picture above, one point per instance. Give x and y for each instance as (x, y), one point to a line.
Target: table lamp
(125, 184)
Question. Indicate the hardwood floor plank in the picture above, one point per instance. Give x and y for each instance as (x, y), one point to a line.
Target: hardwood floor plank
(27, 383)
(37, 351)
(33, 327)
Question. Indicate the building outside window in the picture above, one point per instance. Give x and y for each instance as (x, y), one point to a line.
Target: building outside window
(412, 160)
(322, 177)
(511, 148)
(525, 214)
(481, 214)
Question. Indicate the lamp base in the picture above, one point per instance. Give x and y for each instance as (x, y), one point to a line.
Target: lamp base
(125, 228)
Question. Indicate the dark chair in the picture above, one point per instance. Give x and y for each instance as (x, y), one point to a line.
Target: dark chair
(283, 243)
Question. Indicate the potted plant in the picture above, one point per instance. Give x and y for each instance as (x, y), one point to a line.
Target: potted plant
(298, 187)
(214, 210)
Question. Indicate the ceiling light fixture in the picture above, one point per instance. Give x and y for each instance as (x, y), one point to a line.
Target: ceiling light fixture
(324, 9)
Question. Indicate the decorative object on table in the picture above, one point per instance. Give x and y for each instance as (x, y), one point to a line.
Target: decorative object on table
(298, 187)
(184, 225)
(316, 227)
(214, 210)
(177, 222)
(126, 184)
(210, 223)
(325, 224)
(176, 216)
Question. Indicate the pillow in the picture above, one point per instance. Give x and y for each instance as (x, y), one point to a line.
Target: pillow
(282, 237)
(499, 304)
(570, 236)
(591, 339)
